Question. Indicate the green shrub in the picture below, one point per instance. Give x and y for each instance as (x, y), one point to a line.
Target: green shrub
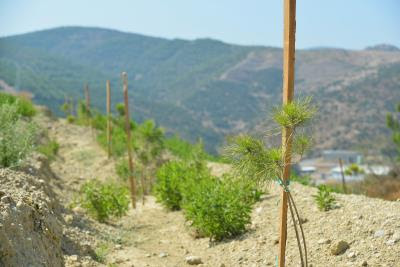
(302, 179)
(218, 208)
(122, 169)
(120, 107)
(118, 141)
(325, 200)
(103, 200)
(17, 136)
(71, 119)
(50, 149)
(24, 107)
(100, 253)
(354, 169)
(185, 150)
(99, 121)
(171, 179)
(83, 114)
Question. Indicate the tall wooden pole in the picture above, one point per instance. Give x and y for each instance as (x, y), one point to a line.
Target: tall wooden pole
(128, 140)
(343, 178)
(108, 118)
(87, 97)
(288, 92)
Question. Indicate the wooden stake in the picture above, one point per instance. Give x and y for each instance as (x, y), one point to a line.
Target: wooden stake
(288, 92)
(342, 173)
(128, 140)
(108, 118)
(87, 97)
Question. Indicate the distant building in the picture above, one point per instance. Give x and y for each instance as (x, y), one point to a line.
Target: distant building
(347, 156)
(326, 167)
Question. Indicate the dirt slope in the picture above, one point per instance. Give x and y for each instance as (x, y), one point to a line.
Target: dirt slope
(152, 236)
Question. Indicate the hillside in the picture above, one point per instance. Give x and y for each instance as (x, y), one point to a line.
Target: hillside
(36, 214)
(205, 88)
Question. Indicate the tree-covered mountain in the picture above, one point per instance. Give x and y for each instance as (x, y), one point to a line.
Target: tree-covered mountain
(205, 88)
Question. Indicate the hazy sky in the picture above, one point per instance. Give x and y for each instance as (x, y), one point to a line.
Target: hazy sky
(335, 23)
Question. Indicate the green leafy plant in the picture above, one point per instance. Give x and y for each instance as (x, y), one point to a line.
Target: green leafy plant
(324, 198)
(24, 106)
(120, 107)
(252, 157)
(17, 136)
(294, 114)
(172, 180)
(103, 200)
(67, 107)
(217, 208)
(393, 122)
(50, 149)
(302, 179)
(354, 169)
(100, 253)
(83, 114)
(71, 119)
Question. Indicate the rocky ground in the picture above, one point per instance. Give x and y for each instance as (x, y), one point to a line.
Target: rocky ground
(363, 231)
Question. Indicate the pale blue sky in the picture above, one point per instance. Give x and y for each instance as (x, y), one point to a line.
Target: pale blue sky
(336, 23)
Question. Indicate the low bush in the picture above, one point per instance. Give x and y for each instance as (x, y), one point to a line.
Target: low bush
(118, 141)
(99, 121)
(17, 136)
(24, 106)
(50, 149)
(186, 150)
(71, 119)
(172, 180)
(218, 208)
(103, 200)
(324, 198)
(302, 179)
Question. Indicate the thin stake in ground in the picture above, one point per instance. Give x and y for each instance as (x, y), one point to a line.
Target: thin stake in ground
(343, 178)
(128, 140)
(288, 92)
(87, 97)
(108, 118)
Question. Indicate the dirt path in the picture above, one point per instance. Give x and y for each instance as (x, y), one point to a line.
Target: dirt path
(147, 236)
(151, 236)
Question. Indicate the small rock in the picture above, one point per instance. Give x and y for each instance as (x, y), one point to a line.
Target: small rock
(339, 248)
(148, 255)
(69, 218)
(73, 257)
(193, 260)
(324, 241)
(118, 246)
(365, 263)
(390, 242)
(163, 255)
(351, 255)
(276, 241)
(78, 210)
(6, 199)
(396, 237)
(379, 233)
(303, 220)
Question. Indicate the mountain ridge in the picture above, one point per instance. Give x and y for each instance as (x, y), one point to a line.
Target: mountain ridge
(204, 88)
